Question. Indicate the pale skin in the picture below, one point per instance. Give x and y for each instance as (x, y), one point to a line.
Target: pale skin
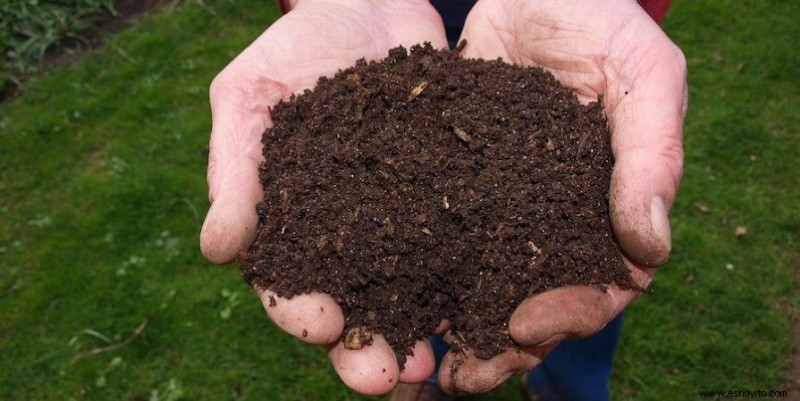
(610, 48)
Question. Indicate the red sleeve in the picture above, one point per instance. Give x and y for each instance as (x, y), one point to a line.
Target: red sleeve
(657, 9)
(284, 6)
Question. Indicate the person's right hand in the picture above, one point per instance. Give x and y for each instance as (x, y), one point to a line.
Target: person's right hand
(318, 37)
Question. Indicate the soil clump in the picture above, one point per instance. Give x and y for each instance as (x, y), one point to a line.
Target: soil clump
(426, 186)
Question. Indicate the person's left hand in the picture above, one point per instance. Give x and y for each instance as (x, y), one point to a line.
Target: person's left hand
(615, 50)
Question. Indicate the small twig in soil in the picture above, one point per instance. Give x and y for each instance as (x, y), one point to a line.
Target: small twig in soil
(581, 144)
(458, 341)
(534, 248)
(284, 193)
(461, 45)
(479, 287)
(462, 135)
(417, 90)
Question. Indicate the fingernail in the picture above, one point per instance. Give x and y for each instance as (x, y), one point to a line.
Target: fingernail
(659, 221)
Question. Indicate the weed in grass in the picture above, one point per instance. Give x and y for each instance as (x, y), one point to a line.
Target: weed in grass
(231, 301)
(172, 391)
(101, 377)
(29, 29)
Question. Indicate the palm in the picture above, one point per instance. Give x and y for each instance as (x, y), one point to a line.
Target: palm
(319, 37)
(316, 39)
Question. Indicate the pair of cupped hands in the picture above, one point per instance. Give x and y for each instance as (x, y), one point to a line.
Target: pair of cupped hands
(606, 48)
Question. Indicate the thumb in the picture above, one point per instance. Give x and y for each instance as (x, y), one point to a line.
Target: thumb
(646, 127)
(231, 222)
(234, 158)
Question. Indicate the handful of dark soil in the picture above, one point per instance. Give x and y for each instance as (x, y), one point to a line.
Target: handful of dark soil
(426, 187)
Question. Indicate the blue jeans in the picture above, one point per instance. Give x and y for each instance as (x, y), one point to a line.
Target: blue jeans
(454, 13)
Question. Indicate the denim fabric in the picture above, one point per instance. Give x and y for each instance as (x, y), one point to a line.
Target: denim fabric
(454, 13)
(577, 370)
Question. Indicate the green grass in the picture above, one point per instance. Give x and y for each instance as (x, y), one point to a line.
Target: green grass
(719, 318)
(102, 193)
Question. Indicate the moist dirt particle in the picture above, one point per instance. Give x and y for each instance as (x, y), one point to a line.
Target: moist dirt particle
(426, 186)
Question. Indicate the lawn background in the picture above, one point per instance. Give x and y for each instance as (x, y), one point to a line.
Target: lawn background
(102, 193)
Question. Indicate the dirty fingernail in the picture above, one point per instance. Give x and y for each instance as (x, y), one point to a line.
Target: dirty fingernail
(660, 223)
